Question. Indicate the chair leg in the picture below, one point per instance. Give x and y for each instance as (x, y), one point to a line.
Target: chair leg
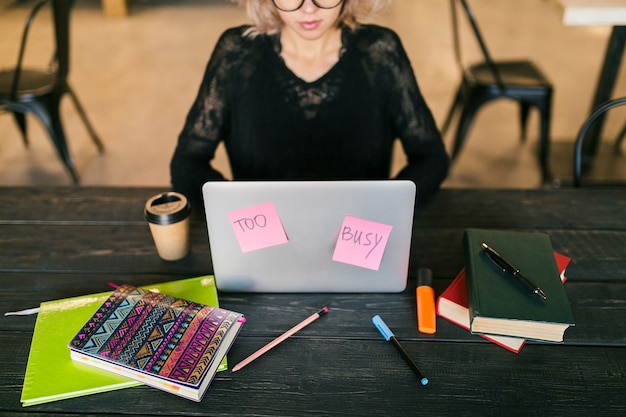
(524, 110)
(544, 152)
(465, 122)
(455, 104)
(620, 138)
(20, 120)
(48, 114)
(83, 116)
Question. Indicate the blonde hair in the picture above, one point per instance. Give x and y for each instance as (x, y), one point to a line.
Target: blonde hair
(266, 19)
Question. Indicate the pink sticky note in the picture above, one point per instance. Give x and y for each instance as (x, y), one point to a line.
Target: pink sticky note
(257, 227)
(361, 242)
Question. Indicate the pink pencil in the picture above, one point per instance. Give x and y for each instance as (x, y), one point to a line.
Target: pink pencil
(281, 338)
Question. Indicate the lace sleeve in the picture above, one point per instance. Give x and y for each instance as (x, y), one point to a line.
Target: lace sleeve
(207, 123)
(412, 119)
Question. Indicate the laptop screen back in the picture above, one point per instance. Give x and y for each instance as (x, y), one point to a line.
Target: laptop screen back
(310, 236)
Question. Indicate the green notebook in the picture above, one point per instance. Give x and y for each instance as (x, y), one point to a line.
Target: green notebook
(499, 303)
(51, 374)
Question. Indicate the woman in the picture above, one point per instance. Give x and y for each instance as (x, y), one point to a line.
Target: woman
(307, 92)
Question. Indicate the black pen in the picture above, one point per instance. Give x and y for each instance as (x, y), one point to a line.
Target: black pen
(505, 266)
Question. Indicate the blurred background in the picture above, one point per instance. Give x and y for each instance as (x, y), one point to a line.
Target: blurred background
(137, 75)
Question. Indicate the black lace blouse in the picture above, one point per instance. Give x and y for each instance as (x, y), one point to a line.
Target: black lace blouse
(275, 126)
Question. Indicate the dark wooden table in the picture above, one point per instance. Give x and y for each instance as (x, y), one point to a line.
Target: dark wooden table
(62, 242)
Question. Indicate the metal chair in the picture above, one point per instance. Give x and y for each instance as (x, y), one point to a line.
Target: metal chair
(578, 146)
(489, 80)
(620, 139)
(39, 91)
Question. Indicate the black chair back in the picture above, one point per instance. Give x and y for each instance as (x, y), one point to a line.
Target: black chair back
(580, 138)
(39, 91)
(469, 14)
(61, 11)
(487, 80)
(61, 19)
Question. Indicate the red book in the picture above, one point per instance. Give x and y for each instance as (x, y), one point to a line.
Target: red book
(453, 305)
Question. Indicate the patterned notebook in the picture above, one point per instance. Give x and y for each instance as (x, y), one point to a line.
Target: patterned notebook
(163, 341)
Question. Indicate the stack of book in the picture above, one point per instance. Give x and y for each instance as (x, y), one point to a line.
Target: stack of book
(130, 337)
(495, 304)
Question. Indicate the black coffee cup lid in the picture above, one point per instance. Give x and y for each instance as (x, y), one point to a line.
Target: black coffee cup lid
(166, 208)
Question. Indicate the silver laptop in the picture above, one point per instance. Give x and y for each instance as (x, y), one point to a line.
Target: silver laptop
(310, 236)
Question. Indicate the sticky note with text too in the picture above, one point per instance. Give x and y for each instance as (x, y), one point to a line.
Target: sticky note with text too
(257, 227)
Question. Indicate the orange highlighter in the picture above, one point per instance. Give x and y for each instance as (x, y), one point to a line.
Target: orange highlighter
(425, 299)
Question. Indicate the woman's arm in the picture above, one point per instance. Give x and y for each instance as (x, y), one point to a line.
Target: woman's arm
(413, 121)
(208, 121)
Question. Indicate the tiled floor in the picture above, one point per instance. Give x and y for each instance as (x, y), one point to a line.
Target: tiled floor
(137, 76)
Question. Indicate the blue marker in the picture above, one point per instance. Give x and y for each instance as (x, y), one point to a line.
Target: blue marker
(388, 335)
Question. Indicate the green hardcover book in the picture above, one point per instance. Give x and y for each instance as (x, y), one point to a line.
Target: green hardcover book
(499, 303)
(52, 375)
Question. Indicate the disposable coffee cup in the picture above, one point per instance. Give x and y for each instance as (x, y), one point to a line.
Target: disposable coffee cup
(168, 217)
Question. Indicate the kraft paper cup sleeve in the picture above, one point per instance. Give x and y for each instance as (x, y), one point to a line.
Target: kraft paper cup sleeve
(168, 217)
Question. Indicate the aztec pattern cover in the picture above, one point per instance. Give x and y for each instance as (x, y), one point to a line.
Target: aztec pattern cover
(51, 375)
(157, 335)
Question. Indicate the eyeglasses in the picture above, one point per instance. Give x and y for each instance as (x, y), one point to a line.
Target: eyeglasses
(293, 5)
